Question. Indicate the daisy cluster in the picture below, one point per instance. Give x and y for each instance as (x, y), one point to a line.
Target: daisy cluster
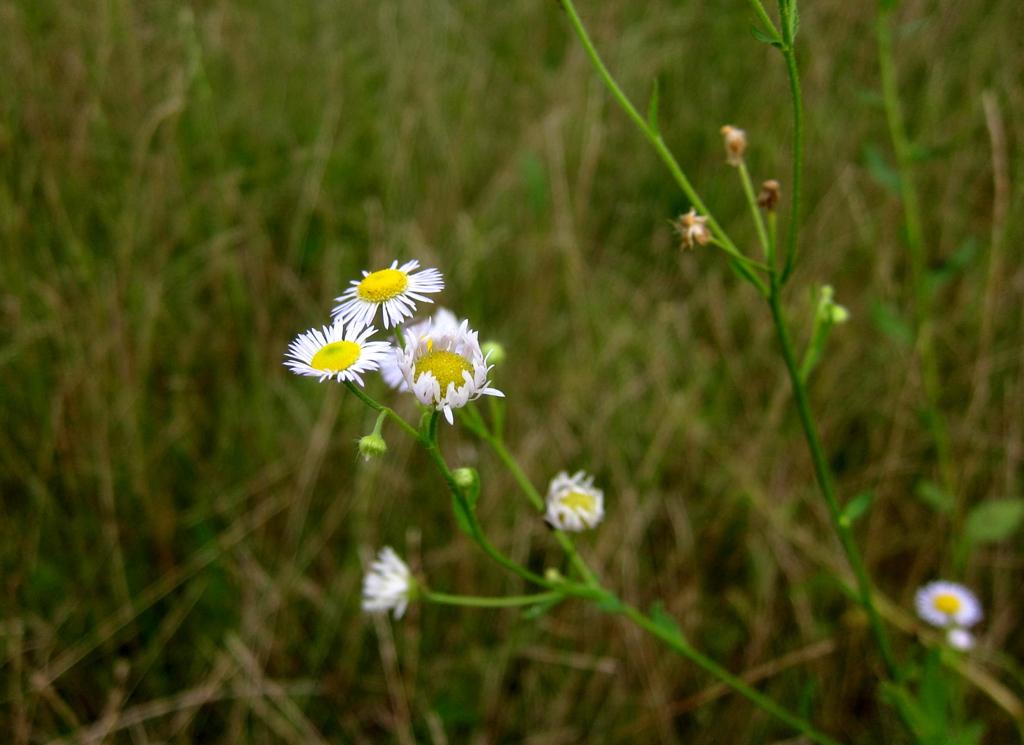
(438, 359)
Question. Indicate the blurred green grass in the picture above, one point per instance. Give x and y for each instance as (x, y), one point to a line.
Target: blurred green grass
(183, 188)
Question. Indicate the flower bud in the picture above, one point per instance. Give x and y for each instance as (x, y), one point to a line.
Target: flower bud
(551, 574)
(372, 446)
(692, 229)
(769, 195)
(735, 144)
(464, 477)
(829, 310)
(494, 353)
(838, 314)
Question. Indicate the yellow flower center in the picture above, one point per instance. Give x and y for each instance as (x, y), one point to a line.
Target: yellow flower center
(947, 603)
(337, 355)
(383, 285)
(579, 502)
(446, 367)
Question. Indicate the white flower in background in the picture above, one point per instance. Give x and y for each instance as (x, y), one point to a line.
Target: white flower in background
(389, 585)
(960, 639)
(947, 604)
(395, 290)
(338, 351)
(441, 322)
(445, 368)
(573, 503)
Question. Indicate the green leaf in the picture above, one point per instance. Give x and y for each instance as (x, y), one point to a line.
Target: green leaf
(794, 20)
(971, 734)
(743, 272)
(665, 622)
(880, 169)
(897, 696)
(994, 520)
(807, 707)
(771, 38)
(652, 108)
(955, 265)
(610, 603)
(536, 181)
(890, 4)
(890, 324)
(933, 693)
(463, 517)
(538, 610)
(934, 496)
(856, 507)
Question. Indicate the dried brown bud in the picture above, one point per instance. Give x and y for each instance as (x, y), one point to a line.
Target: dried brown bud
(769, 196)
(735, 144)
(692, 229)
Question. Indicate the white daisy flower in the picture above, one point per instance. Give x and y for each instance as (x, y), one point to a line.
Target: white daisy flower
(573, 503)
(440, 322)
(395, 290)
(339, 351)
(960, 639)
(445, 368)
(947, 604)
(389, 585)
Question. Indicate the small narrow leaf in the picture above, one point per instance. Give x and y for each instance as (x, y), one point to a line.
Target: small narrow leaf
(610, 603)
(743, 272)
(880, 169)
(932, 694)
(794, 20)
(665, 622)
(890, 324)
(994, 521)
(971, 734)
(954, 266)
(934, 496)
(462, 516)
(535, 180)
(857, 507)
(771, 38)
(538, 610)
(652, 108)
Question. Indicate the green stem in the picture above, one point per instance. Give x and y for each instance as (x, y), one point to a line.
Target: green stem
(918, 260)
(384, 410)
(650, 133)
(824, 477)
(676, 641)
(763, 16)
(478, 427)
(478, 602)
(567, 544)
(789, 54)
(748, 190)
(380, 423)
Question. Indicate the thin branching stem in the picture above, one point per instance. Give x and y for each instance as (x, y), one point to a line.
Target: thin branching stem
(652, 135)
(763, 16)
(475, 423)
(382, 410)
(755, 212)
(824, 477)
(672, 638)
(509, 601)
(789, 55)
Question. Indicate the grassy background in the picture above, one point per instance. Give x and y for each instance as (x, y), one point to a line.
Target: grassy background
(185, 187)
